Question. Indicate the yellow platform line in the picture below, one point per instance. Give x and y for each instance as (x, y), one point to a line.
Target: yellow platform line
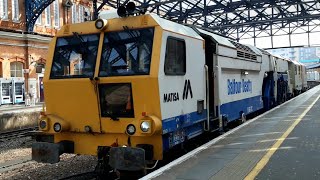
(262, 163)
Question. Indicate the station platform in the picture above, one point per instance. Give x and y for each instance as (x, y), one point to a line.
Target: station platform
(19, 107)
(19, 116)
(283, 143)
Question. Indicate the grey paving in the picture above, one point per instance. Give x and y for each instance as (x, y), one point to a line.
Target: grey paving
(237, 154)
(298, 158)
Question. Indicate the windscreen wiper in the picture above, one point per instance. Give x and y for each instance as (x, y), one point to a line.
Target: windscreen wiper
(83, 46)
(112, 116)
(131, 33)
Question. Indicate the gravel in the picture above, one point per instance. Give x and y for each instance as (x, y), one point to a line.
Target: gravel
(18, 149)
(14, 149)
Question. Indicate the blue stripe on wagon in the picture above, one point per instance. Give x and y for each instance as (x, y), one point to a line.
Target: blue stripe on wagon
(232, 109)
(177, 129)
(182, 121)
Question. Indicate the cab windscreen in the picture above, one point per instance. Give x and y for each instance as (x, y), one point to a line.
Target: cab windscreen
(116, 100)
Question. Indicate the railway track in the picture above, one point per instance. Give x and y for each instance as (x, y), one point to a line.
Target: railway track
(172, 155)
(8, 135)
(14, 163)
(81, 176)
(168, 157)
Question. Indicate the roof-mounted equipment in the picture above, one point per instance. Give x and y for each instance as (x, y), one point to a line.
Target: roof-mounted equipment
(129, 9)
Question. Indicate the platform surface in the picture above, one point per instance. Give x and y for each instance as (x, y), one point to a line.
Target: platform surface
(283, 143)
(17, 108)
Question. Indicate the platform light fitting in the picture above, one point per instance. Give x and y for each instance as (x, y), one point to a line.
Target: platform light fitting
(245, 72)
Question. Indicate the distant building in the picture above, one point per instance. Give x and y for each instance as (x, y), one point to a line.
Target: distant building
(290, 53)
(306, 55)
(22, 53)
(309, 55)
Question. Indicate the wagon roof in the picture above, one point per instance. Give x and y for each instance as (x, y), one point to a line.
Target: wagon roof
(175, 27)
(219, 39)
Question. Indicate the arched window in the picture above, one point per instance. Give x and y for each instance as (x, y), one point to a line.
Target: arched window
(16, 69)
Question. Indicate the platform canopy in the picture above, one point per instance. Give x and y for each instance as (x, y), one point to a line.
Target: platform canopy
(267, 24)
(314, 66)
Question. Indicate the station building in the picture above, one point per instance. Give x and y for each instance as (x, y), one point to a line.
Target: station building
(23, 54)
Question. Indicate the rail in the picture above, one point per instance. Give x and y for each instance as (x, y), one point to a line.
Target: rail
(8, 135)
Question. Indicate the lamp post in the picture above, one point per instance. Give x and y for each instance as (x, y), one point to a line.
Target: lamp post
(67, 4)
(30, 62)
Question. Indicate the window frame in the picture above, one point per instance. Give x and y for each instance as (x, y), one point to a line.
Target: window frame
(74, 18)
(39, 20)
(47, 13)
(86, 10)
(184, 60)
(119, 74)
(52, 76)
(15, 10)
(4, 10)
(56, 13)
(102, 107)
(80, 13)
(16, 70)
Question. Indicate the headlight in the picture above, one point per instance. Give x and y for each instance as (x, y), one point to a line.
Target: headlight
(43, 124)
(57, 127)
(100, 24)
(145, 126)
(131, 129)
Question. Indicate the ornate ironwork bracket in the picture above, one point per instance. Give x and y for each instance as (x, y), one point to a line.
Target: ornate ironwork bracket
(34, 8)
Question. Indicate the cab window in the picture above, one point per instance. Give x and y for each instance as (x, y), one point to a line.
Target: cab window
(75, 56)
(175, 58)
(127, 52)
(116, 100)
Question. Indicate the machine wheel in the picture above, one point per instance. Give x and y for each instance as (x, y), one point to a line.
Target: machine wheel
(285, 97)
(132, 174)
(225, 124)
